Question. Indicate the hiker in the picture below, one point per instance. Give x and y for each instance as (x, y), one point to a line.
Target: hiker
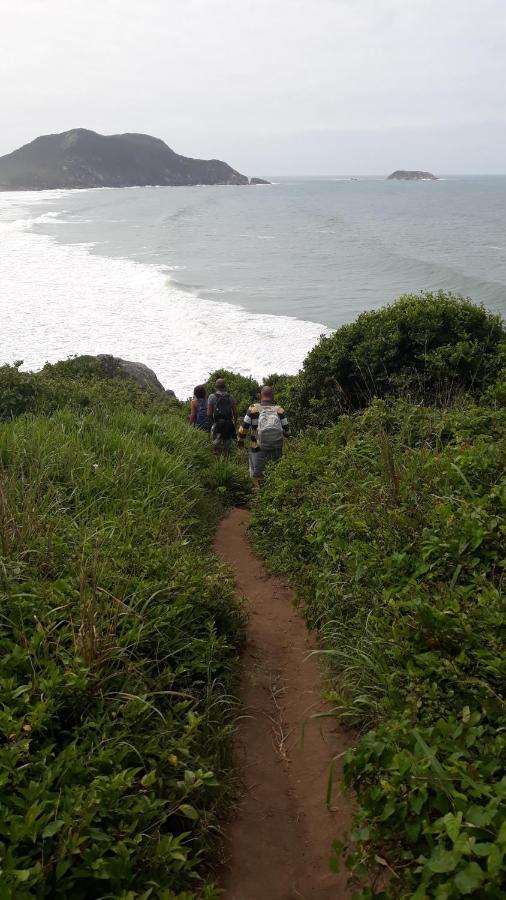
(222, 413)
(198, 409)
(267, 425)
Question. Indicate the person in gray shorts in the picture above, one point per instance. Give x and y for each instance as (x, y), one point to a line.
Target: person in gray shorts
(266, 424)
(222, 413)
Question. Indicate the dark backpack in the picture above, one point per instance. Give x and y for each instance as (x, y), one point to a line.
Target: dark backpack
(223, 417)
(202, 421)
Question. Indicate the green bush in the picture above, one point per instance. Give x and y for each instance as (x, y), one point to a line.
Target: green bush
(119, 638)
(18, 392)
(245, 390)
(394, 536)
(78, 384)
(426, 347)
(283, 386)
(432, 802)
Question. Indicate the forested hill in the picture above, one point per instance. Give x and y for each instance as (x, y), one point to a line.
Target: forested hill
(84, 159)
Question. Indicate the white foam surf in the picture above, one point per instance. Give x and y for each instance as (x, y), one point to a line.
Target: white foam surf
(59, 300)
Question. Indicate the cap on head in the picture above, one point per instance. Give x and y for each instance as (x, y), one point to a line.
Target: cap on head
(267, 393)
(221, 384)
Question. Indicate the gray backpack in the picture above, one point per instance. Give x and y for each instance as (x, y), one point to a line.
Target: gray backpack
(270, 430)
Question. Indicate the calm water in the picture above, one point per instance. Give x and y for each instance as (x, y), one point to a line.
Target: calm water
(189, 279)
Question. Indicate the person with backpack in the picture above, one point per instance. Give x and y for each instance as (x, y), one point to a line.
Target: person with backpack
(198, 409)
(222, 413)
(267, 425)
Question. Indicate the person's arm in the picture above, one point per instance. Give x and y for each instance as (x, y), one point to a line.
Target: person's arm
(193, 411)
(244, 428)
(234, 409)
(284, 421)
(210, 406)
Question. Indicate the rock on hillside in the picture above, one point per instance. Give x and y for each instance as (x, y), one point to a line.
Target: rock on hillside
(411, 175)
(143, 375)
(85, 159)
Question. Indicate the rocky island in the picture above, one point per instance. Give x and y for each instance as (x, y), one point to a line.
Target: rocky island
(84, 159)
(411, 175)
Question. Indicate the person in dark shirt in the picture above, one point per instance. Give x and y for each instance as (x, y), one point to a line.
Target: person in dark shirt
(222, 413)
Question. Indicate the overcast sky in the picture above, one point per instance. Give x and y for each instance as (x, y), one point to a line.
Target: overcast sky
(271, 86)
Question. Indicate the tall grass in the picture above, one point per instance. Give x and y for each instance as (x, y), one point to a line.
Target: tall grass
(119, 636)
(394, 537)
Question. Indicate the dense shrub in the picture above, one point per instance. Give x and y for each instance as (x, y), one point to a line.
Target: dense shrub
(18, 392)
(244, 389)
(119, 636)
(283, 387)
(78, 384)
(427, 347)
(394, 535)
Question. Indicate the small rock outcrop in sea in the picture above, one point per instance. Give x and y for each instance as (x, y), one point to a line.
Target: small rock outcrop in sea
(258, 181)
(411, 175)
(143, 375)
(85, 159)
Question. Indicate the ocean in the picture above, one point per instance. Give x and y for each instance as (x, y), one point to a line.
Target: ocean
(187, 280)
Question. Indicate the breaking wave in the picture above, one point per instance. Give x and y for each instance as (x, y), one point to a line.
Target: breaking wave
(60, 299)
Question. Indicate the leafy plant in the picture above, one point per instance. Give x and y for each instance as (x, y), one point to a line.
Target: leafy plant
(244, 389)
(78, 384)
(427, 347)
(394, 537)
(432, 808)
(119, 638)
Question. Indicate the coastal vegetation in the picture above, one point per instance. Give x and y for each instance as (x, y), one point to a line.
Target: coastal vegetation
(120, 632)
(394, 536)
(245, 390)
(427, 348)
(119, 639)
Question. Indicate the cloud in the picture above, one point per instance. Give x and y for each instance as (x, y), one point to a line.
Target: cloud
(210, 75)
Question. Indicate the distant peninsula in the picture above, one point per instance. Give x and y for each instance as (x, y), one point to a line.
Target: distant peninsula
(84, 159)
(411, 175)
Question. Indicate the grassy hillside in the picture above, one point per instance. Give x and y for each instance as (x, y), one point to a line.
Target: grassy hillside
(391, 524)
(119, 637)
(120, 634)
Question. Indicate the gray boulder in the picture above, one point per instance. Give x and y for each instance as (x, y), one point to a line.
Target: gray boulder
(142, 374)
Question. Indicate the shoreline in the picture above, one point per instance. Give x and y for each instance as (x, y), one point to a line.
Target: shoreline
(155, 330)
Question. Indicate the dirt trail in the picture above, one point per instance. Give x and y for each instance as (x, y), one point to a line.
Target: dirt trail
(281, 833)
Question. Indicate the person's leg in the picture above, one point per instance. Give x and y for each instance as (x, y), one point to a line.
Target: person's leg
(276, 453)
(251, 464)
(215, 440)
(258, 459)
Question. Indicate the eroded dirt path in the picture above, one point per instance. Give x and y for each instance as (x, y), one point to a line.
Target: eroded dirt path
(280, 836)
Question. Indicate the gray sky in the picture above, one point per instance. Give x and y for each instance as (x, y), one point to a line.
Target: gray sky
(271, 86)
